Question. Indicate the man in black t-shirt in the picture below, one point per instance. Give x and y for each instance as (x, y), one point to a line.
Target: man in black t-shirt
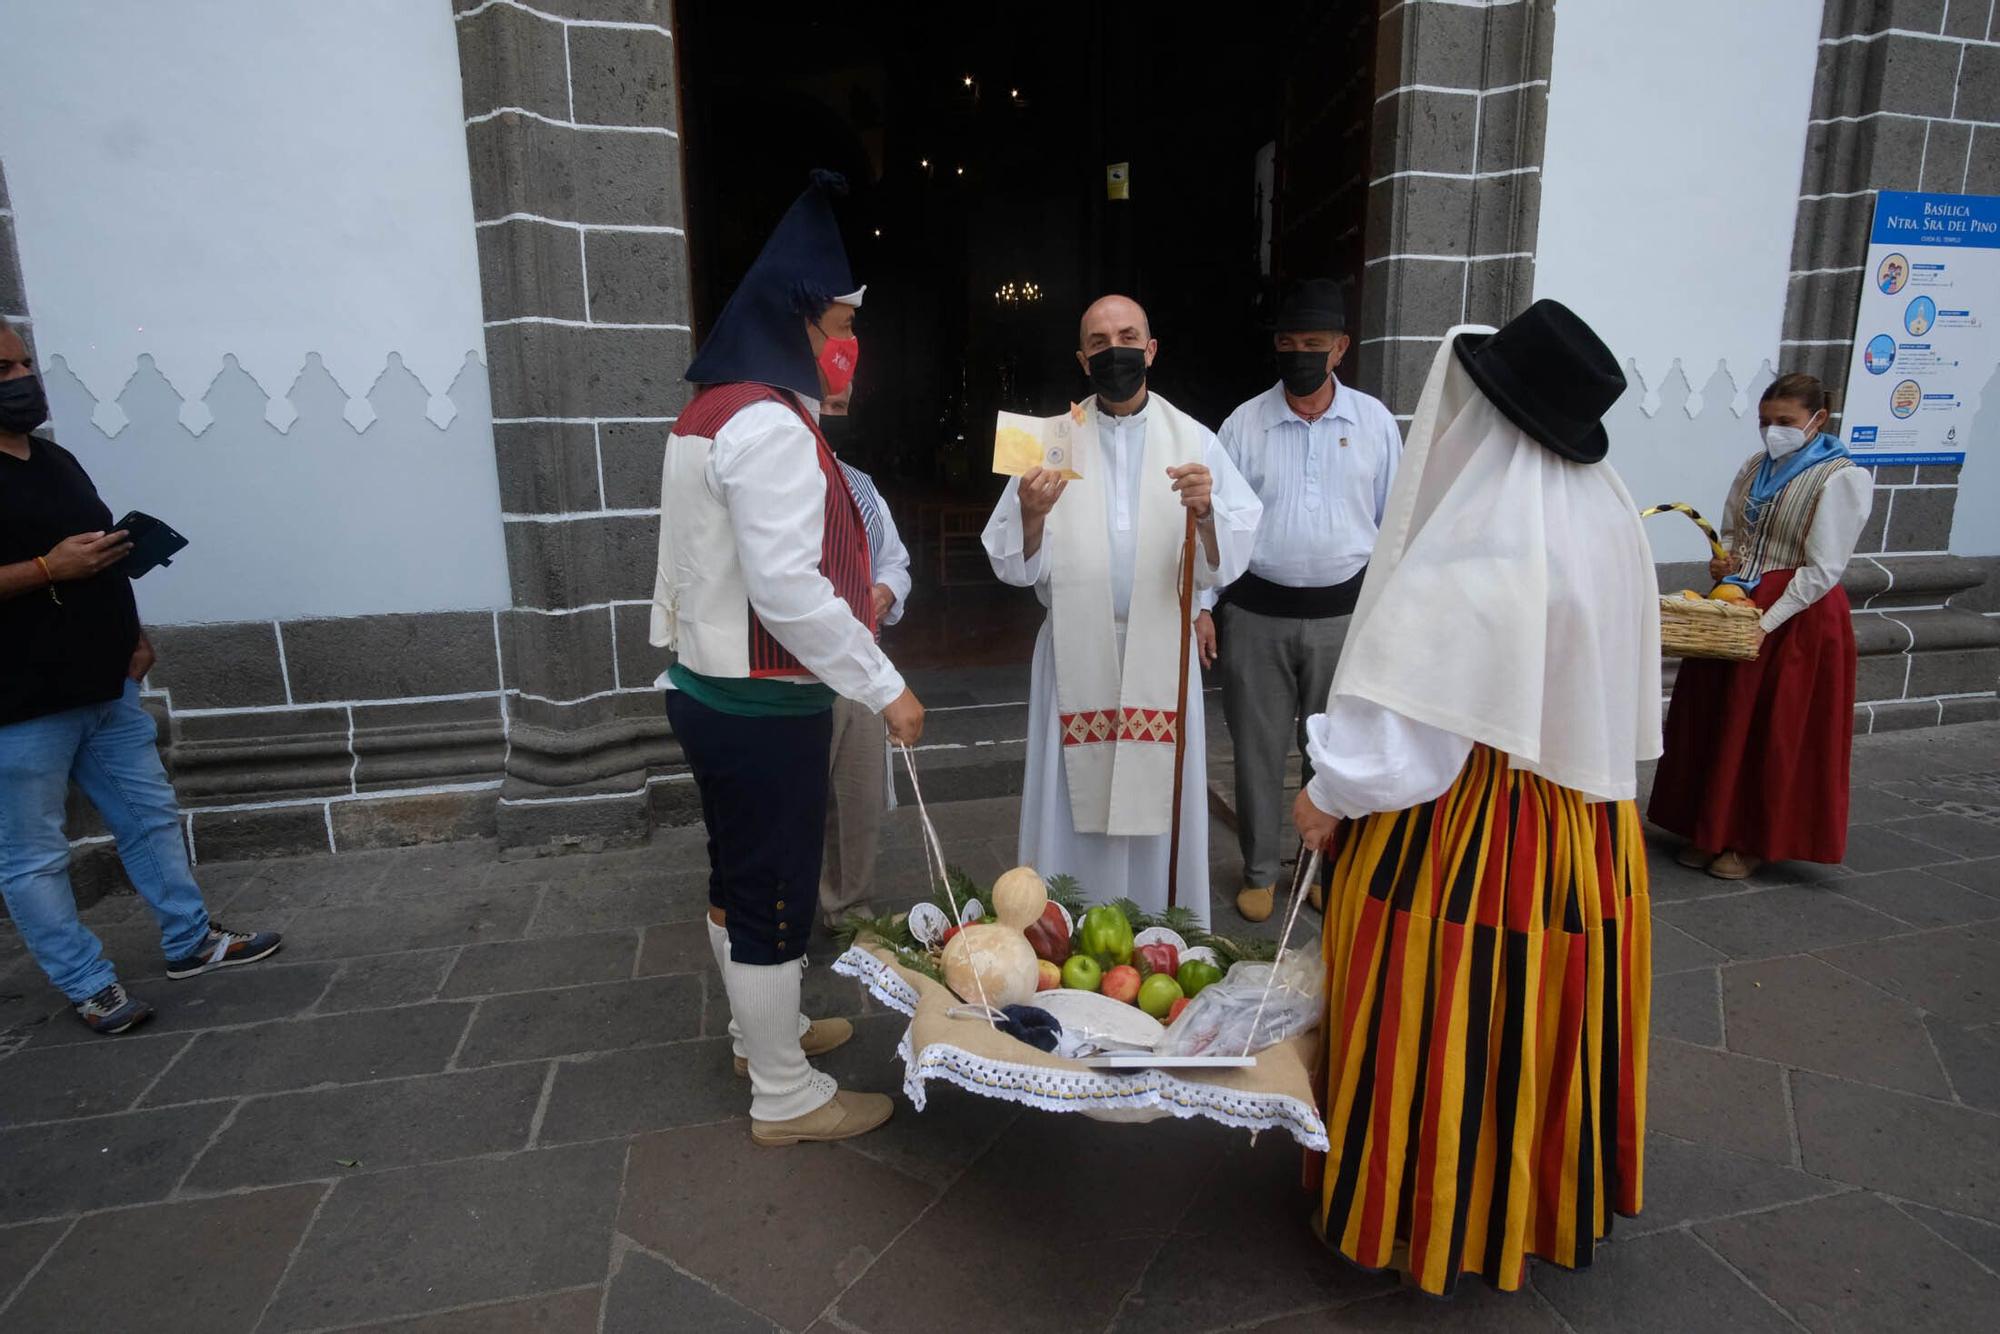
(71, 659)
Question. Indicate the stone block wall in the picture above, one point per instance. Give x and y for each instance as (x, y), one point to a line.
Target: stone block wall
(571, 112)
(1454, 194)
(1906, 97)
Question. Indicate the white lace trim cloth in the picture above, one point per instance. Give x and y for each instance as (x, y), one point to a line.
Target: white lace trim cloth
(1075, 1090)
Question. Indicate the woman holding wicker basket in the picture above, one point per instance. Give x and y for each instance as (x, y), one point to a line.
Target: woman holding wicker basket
(1756, 758)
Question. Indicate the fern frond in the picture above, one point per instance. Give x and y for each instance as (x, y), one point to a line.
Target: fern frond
(1137, 916)
(1230, 952)
(891, 929)
(1065, 890)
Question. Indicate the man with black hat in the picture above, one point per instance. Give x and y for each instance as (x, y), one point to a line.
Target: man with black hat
(1321, 456)
(764, 591)
(1488, 940)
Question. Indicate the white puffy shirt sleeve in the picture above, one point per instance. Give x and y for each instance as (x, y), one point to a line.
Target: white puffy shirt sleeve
(1367, 758)
(1006, 544)
(1236, 511)
(1836, 526)
(894, 570)
(765, 472)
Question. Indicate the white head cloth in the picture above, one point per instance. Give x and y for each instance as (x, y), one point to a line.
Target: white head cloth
(1511, 598)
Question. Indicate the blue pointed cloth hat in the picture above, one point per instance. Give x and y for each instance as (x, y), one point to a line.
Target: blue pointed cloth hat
(760, 336)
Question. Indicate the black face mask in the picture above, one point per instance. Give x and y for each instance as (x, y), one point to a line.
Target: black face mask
(23, 405)
(838, 430)
(1118, 373)
(1302, 372)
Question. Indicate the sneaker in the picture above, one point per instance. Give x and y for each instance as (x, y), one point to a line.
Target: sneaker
(112, 1011)
(225, 949)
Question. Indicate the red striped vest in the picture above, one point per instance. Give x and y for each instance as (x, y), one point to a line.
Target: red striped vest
(843, 548)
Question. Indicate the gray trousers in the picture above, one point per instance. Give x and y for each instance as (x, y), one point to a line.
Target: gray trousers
(1275, 674)
(857, 788)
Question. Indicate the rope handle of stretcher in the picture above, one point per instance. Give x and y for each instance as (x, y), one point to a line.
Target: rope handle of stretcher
(1302, 877)
(934, 867)
(1708, 531)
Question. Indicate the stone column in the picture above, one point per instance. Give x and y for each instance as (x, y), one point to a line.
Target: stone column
(571, 117)
(1907, 97)
(1455, 189)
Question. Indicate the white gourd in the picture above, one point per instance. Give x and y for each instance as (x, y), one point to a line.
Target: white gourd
(1019, 897)
(993, 960)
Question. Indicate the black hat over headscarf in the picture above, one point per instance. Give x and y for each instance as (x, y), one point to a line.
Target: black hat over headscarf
(801, 270)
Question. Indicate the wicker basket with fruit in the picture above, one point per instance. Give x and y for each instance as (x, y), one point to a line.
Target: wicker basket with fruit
(1724, 624)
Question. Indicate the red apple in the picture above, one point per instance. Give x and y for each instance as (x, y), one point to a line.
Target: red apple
(1122, 983)
(1047, 976)
(1174, 1010)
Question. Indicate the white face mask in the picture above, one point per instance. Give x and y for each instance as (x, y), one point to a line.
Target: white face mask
(1782, 440)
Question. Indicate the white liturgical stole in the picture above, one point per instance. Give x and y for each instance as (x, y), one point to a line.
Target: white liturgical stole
(1117, 718)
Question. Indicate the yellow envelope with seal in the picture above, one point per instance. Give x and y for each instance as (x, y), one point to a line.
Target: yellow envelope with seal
(1021, 443)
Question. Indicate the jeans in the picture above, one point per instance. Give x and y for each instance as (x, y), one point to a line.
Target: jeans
(108, 749)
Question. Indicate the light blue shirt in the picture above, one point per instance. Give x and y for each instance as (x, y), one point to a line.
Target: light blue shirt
(1324, 483)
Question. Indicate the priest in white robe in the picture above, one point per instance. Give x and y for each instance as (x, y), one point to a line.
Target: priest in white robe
(1102, 553)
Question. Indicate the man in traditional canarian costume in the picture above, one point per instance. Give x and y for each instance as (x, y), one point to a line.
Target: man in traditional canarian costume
(1487, 938)
(764, 592)
(1321, 456)
(1097, 803)
(860, 790)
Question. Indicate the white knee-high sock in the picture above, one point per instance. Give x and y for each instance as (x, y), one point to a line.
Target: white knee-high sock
(718, 941)
(764, 998)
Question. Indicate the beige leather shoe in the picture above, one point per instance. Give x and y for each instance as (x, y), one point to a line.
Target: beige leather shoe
(843, 1116)
(1694, 858)
(1733, 866)
(1255, 903)
(1317, 897)
(819, 1039)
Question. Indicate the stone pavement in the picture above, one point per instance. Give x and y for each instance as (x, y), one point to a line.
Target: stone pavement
(495, 1097)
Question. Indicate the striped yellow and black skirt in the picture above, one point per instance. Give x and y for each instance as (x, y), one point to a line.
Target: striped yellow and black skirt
(1489, 971)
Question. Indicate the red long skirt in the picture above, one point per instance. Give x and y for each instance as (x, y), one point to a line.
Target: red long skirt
(1757, 752)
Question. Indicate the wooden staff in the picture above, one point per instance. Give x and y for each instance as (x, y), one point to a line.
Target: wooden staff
(1180, 711)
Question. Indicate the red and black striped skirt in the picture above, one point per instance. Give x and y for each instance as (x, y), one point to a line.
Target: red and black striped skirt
(1488, 984)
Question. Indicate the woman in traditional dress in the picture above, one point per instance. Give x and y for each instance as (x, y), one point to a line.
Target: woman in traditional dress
(1757, 752)
(1487, 938)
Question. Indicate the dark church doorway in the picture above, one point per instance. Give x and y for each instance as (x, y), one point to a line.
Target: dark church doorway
(1008, 164)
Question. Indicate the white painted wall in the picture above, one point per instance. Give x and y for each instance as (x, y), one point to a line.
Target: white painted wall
(268, 181)
(1975, 518)
(1670, 182)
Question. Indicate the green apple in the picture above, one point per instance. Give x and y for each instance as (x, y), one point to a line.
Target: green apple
(1196, 974)
(1158, 993)
(1081, 973)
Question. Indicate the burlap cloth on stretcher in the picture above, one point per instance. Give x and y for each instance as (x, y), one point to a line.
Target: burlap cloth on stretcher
(1274, 1094)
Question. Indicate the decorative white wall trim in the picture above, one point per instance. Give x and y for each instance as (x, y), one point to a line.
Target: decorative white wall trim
(308, 505)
